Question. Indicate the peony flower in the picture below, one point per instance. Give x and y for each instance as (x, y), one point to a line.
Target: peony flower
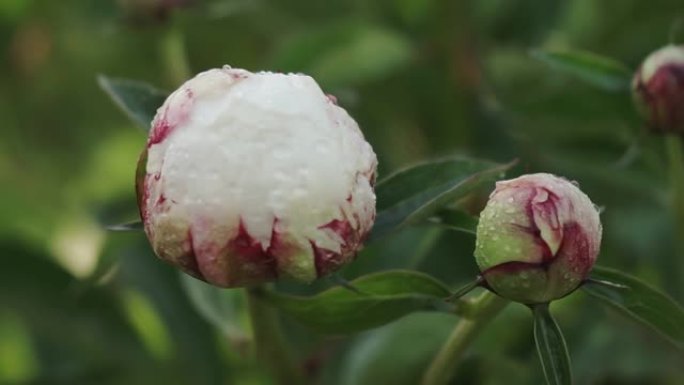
(249, 177)
(658, 89)
(537, 239)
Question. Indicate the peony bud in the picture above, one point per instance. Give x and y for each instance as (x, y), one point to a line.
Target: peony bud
(537, 239)
(658, 89)
(144, 11)
(249, 177)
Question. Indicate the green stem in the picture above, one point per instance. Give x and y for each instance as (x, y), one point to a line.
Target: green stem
(174, 56)
(551, 346)
(676, 30)
(676, 169)
(271, 347)
(443, 366)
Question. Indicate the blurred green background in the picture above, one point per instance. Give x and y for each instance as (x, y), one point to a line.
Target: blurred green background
(423, 78)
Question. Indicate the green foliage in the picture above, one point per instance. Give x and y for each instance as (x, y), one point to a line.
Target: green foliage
(347, 54)
(599, 71)
(638, 300)
(414, 194)
(375, 300)
(551, 348)
(424, 79)
(129, 226)
(224, 309)
(413, 340)
(456, 220)
(138, 100)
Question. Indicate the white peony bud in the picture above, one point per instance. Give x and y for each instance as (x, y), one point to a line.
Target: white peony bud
(249, 177)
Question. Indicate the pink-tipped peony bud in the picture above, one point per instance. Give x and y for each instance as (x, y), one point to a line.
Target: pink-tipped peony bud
(537, 238)
(249, 177)
(658, 90)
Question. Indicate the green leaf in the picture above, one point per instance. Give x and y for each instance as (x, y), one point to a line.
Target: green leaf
(467, 288)
(138, 100)
(397, 354)
(382, 298)
(343, 54)
(414, 194)
(456, 220)
(68, 323)
(638, 300)
(223, 308)
(551, 348)
(195, 342)
(599, 71)
(368, 54)
(128, 226)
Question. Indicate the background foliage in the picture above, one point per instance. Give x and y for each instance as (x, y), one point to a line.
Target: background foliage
(424, 78)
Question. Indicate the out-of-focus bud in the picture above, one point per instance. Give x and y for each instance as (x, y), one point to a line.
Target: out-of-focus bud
(658, 90)
(537, 239)
(249, 177)
(144, 11)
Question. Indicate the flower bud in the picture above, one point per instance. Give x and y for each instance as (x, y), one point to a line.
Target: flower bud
(537, 239)
(658, 90)
(249, 177)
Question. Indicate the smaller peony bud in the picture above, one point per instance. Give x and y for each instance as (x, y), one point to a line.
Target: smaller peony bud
(250, 177)
(658, 90)
(537, 239)
(145, 11)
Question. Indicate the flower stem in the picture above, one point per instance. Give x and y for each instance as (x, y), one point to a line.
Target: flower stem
(676, 169)
(271, 347)
(443, 366)
(174, 55)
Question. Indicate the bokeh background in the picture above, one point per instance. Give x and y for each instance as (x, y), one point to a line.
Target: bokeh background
(424, 78)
